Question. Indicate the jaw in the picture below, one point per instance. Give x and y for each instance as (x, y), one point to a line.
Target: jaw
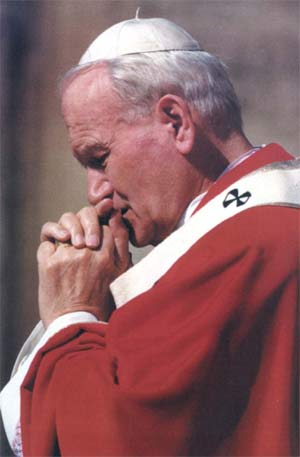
(145, 235)
(140, 234)
(148, 227)
(138, 240)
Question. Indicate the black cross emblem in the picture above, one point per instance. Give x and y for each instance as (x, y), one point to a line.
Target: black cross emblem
(233, 196)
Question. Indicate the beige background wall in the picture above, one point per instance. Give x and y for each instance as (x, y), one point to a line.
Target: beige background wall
(40, 40)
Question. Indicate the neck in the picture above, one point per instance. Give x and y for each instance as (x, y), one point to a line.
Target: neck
(234, 147)
(212, 155)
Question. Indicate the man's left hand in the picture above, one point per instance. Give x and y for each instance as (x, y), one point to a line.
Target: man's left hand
(73, 279)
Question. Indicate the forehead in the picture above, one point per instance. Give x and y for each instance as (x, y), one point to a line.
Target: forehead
(90, 94)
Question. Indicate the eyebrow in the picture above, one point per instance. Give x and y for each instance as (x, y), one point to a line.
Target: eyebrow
(83, 154)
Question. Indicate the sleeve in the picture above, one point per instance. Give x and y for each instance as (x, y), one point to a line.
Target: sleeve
(10, 395)
(54, 377)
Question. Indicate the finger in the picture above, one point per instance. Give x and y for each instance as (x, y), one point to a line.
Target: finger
(107, 240)
(120, 235)
(104, 207)
(72, 223)
(45, 250)
(90, 224)
(52, 231)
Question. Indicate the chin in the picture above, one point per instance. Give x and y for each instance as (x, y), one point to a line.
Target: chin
(140, 240)
(141, 235)
(139, 243)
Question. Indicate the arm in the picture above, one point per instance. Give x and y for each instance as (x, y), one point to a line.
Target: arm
(78, 305)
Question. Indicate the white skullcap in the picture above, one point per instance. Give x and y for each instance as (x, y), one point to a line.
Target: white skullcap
(136, 36)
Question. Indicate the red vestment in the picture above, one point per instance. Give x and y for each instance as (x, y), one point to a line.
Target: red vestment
(204, 363)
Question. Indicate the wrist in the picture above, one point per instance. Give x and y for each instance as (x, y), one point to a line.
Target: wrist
(100, 313)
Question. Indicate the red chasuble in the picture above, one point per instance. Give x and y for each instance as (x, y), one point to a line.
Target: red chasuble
(202, 364)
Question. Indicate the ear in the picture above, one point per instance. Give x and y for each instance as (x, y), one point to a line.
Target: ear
(173, 111)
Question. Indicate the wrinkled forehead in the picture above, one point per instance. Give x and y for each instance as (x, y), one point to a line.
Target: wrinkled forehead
(89, 93)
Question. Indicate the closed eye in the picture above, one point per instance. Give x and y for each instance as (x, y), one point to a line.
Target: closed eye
(97, 163)
(92, 156)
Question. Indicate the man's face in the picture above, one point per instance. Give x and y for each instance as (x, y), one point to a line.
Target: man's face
(132, 168)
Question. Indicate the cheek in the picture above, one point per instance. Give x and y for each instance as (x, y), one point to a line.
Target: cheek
(121, 175)
(134, 168)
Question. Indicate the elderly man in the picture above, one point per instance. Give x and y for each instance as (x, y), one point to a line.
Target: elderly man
(193, 350)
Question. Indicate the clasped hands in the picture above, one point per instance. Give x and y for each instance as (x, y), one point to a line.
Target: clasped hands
(76, 276)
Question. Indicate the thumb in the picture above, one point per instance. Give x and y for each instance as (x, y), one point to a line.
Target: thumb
(121, 238)
(45, 250)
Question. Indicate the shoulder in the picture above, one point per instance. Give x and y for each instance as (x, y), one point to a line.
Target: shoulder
(262, 226)
(262, 239)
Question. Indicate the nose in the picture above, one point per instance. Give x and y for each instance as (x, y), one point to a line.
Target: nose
(98, 186)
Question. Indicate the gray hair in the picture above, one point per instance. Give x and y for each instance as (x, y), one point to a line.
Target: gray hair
(199, 77)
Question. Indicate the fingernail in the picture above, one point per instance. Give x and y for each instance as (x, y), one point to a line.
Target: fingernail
(92, 240)
(78, 239)
(63, 232)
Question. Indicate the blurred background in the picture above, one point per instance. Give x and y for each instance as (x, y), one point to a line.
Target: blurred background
(41, 40)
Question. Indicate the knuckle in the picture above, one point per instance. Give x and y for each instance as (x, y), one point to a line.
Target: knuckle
(46, 228)
(86, 210)
(67, 216)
